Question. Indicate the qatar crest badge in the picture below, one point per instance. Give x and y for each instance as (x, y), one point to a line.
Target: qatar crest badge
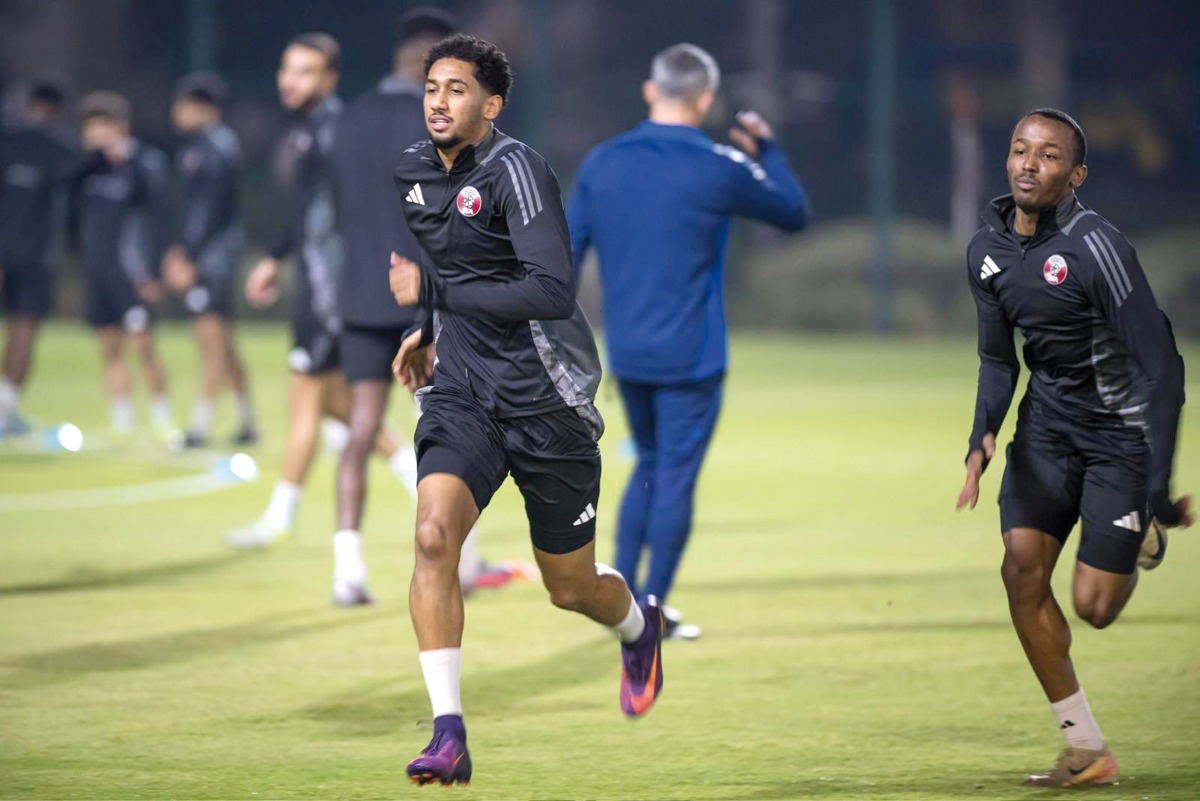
(469, 201)
(1055, 270)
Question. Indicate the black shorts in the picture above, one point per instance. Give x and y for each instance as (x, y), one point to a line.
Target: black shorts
(27, 291)
(552, 456)
(112, 301)
(367, 352)
(216, 275)
(314, 346)
(1060, 470)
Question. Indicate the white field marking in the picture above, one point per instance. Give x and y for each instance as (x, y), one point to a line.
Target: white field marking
(95, 498)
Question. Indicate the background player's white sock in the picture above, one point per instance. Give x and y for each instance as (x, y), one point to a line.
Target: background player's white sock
(122, 414)
(245, 411)
(469, 563)
(348, 564)
(403, 465)
(1077, 723)
(160, 411)
(281, 511)
(443, 675)
(202, 417)
(8, 399)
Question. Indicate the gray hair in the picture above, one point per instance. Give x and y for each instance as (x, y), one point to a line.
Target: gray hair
(684, 72)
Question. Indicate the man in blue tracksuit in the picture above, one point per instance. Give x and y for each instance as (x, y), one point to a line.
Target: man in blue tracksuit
(656, 204)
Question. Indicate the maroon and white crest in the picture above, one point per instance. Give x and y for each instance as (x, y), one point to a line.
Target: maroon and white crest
(469, 201)
(1055, 270)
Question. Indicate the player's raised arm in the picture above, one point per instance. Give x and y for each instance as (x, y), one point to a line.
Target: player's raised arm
(761, 182)
(1118, 287)
(532, 204)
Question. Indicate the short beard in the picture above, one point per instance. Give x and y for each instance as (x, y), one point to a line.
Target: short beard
(445, 142)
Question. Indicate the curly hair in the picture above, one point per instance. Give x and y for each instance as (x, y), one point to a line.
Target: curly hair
(492, 69)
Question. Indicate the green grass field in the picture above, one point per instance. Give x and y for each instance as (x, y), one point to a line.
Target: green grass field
(856, 646)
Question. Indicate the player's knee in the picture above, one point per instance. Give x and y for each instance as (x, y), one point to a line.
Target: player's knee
(568, 597)
(1023, 575)
(433, 542)
(1097, 611)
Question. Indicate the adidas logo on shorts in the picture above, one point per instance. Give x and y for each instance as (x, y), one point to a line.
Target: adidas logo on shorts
(1131, 521)
(588, 514)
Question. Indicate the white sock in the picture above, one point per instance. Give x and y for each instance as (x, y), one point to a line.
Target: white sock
(122, 414)
(245, 411)
(285, 499)
(403, 465)
(8, 398)
(160, 411)
(469, 563)
(443, 675)
(202, 417)
(631, 628)
(348, 564)
(1077, 723)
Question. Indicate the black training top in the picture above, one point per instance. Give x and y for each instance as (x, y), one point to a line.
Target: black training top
(371, 136)
(500, 279)
(312, 231)
(121, 208)
(33, 161)
(1099, 350)
(208, 163)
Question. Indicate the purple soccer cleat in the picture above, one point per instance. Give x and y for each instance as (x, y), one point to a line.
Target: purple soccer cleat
(641, 663)
(445, 759)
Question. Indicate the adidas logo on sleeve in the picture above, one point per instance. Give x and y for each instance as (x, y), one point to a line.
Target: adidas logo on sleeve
(415, 196)
(989, 268)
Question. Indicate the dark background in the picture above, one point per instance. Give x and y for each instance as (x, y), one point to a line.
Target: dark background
(863, 93)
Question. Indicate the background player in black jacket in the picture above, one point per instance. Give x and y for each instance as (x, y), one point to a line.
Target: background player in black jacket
(1096, 430)
(513, 385)
(201, 264)
(307, 80)
(121, 187)
(33, 160)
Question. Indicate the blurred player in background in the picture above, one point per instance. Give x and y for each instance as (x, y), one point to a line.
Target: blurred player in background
(201, 265)
(34, 158)
(513, 384)
(307, 79)
(656, 204)
(120, 196)
(372, 134)
(1096, 429)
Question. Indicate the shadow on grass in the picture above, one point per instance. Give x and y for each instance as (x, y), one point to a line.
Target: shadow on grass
(64, 664)
(772, 585)
(368, 711)
(85, 578)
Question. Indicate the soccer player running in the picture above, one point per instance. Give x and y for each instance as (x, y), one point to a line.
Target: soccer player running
(372, 134)
(34, 158)
(307, 80)
(656, 203)
(120, 194)
(1096, 430)
(513, 384)
(201, 265)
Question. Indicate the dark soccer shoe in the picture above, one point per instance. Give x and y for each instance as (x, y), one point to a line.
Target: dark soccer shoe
(445, 759)
(1154, 547)
(641, 663)
(192, 441)
(246, 436)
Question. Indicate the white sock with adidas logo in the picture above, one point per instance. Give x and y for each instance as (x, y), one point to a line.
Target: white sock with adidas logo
(1077, 723)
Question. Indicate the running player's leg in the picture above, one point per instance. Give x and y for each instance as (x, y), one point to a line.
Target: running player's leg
(638, 400)
(687, 416)
(1040, 498)
(1115, 511)
(556, 465)
(247, 433)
